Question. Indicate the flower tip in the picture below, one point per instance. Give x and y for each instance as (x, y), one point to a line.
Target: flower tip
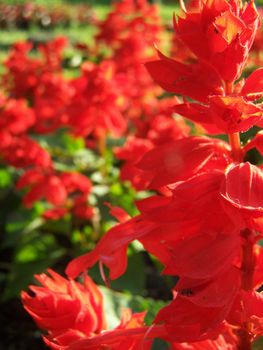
(71, 271)
(174, 20)
(156, 47)
(160, 54)
(182, 5)
(103, 276)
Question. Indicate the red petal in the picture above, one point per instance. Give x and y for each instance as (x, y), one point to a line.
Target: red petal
(243, 188)
(190, 257)
(199, 114)
(196, 81)
(112, 248)
(234, 114)
(253, 87)
(182, 159)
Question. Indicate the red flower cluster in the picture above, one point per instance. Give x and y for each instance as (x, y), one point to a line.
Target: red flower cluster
(129, 19)
(159, 129)
(73, 315)
(65, 192)
(38, 102)
(205, 225)
(106, 95)
(206, 220)
(23, 72)
(98, 103)
(109, 97)
(130, 30)
(17, 149)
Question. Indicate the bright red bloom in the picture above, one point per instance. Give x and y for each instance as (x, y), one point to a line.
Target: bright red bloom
(15, 116)
(253, 85)
(21, 78)
(24, 72)
(75, 182)
(168, 226)
(16, 148)
(185, 321)
(54, 213)
(243, 188)
(158, 130)
(175, 230)
(60, 305)
(42, 184)
(52, 52)
(183, 158)
(130, 18)
(52, 97)
(73, 315)
(132, 152)
(256, 142)
(236, 112)
(98, 102)
(23, 152)
(198, 113)
(248, 307)
(39, 81)
(164, 128)
(65, 191)
(197, 81)
(221, 33)
(225, 341)
(129, 335)
(205, 224)
(130, 30)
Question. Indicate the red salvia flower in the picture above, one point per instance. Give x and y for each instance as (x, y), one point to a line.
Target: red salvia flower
(220, 33)
(236, 112)
(15, 116)
(97, 103)
(205, 223)
(73, 315)
(66, 192)
(58, 304)
(197, 81)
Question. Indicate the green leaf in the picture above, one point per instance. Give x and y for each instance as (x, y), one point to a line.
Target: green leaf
(35, 253)
(36, 247)
(133, 281)
(258, 344)
(73, 144)
(5, 178)
(21, 275)
(20, 224)
(114, 302)
(160, 344)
